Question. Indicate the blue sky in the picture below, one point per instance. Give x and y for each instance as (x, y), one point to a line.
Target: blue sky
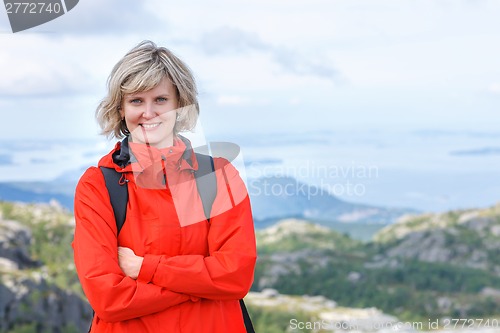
(267, 66)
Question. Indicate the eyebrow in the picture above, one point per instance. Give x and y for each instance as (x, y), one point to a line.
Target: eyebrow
(138, 96)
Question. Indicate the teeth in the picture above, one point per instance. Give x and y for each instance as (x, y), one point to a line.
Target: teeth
(150, 125)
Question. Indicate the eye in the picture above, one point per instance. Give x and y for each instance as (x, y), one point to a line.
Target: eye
(135, 101)
(161, 99)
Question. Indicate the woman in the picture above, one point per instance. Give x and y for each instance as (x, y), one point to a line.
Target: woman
(169, 268)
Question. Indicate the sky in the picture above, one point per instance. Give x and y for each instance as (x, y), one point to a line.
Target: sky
(266, 66)
(369, 73)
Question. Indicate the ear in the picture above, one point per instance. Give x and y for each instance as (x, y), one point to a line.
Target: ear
(122, 113)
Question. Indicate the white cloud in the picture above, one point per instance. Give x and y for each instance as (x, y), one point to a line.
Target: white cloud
(36, 65)
(352, 61)
(225, 40)
(231, 100)
(231, 40)
(30, 69)
(494, 88)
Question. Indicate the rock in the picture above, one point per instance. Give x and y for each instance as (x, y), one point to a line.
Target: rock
(444, 304)
(51, 308)
(8, 265)
(289, 263)
(354, 277)
(468, 238)
(27, 294)
(495, 230)
(424, 246)
(269, 292)
(15, 240)
(6, 298)
(490, 292)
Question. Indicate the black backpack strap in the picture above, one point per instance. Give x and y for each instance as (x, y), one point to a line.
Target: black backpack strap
(206, 182)
(246, 317)
(118, 195)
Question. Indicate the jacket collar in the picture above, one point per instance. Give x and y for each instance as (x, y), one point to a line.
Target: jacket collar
(121, 156)
(124, 156)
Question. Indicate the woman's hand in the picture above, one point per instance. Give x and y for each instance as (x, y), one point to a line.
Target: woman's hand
(129, 262)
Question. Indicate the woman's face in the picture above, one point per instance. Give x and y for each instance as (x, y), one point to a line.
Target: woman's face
(150, 115)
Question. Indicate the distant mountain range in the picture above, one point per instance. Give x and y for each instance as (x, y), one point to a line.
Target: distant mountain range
(272, 198)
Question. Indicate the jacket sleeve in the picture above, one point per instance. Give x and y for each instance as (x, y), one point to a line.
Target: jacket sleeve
(227, 272)
(112, 295)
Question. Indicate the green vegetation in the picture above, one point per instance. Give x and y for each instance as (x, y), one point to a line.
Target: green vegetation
(276, 321)
(52, 234)
(410, 290)
(33, 327)
(299, 258)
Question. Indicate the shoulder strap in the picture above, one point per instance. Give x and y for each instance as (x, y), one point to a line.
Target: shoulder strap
(118, 195)
(246, 317)
(206, 182)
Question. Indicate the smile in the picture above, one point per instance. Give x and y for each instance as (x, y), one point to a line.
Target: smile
(150, 126)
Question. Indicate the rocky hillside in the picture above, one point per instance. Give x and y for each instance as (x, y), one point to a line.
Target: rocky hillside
(424, 267)
(428, 266)
(39, 291)
(465, 238)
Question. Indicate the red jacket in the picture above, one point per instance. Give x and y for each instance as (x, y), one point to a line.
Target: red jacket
(194, 271)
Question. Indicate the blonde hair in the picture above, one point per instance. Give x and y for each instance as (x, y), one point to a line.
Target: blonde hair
(142, 69)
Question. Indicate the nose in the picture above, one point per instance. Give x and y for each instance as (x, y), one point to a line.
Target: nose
(149, 112)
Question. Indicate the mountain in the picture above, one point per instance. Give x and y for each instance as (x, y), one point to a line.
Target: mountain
(38, 192)
(428, 266)
(274, 198)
